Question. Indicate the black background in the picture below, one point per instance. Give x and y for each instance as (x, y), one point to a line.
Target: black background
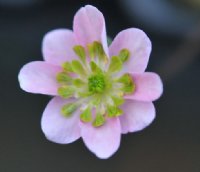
(170, 144)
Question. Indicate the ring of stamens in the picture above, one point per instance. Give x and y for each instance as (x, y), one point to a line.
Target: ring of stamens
(92, 80)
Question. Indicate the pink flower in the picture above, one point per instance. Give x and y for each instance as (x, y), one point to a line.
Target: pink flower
(100, 92)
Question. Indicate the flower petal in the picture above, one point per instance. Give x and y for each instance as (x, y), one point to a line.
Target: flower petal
(102, 141)
(148, 87)
(137, 115)
(58, 128)
(89, 26)
(39, 77)
(139, 45)
(57, 46)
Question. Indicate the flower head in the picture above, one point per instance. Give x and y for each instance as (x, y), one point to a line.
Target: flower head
(100, 92)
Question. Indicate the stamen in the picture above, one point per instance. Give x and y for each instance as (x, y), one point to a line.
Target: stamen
(68, 109)
(84, 94)
(86, 116)
(96, 100)
(115, 65)
(80, 52)
(91, 51)
(63, 77)
(99, 120)
(66, 91)
(128, 89)
(113, 111)
(127, 81)
(124, 55)
(98, 48)
(78, 82)
(95, 68)
(117, 100)
(78, 68)
(67, 67)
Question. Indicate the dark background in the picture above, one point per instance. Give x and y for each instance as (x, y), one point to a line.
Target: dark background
(170, 144)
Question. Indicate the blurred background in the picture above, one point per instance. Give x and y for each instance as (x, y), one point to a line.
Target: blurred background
(170, 144)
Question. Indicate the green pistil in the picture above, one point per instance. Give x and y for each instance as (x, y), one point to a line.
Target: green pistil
(94, 84)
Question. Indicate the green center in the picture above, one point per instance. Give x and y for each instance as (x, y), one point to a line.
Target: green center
(96, 83)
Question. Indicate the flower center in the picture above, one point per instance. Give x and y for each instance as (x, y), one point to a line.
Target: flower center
(94, 82)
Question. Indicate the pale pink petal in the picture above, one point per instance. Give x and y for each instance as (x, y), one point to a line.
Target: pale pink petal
(102, 141)
(149, 87)
(89, 26)
(39, 77)
(137, 115)
(57, 128)
(57, 46)
(139, 45)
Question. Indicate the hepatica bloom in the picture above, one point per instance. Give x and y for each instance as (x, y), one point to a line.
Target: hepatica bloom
(100, 92)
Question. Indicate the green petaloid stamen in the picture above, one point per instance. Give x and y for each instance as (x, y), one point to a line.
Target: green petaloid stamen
(91, 51)
(94, 84)
(115, 65)
(96, 50)
(80, 51)
(63, 77)
(128, 84)
(95, 68)
(86, 116)
(117, 100)
(67, 67)
(99, 120)
(78, 68)
(68, 109)
(100, 51)
(66, 91)
(78, 82)
(113, 111)
(125, 79)
(124, 55)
